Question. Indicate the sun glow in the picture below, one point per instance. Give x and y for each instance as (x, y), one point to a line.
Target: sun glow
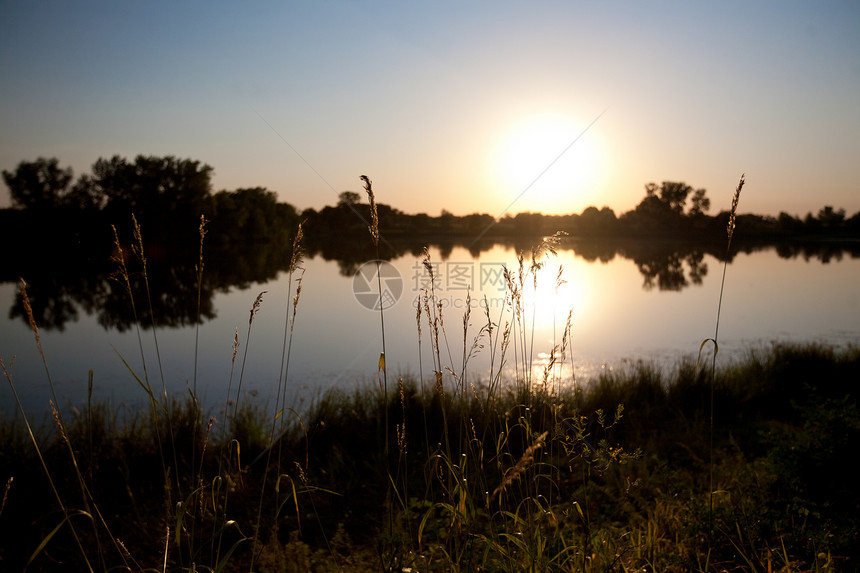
(552, 161)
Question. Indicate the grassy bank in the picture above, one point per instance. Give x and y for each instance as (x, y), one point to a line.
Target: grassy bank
(533, 481)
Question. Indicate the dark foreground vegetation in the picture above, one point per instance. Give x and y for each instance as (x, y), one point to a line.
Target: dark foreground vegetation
(613, 475)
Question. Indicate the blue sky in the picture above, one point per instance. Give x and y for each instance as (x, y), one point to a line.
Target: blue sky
(456, 106)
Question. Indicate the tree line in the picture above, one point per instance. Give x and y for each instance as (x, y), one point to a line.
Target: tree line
(166, 195)
(169, 195)
(670, 209)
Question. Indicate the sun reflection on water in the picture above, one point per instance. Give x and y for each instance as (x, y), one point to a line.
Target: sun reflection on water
(541, 302)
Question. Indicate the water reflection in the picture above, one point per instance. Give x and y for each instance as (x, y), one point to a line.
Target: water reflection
(672, 271)
(68, 282)
(824, 252)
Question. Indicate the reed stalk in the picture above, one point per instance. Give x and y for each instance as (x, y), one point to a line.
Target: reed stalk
(730, 230)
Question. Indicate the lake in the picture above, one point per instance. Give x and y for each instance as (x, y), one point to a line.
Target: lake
(626, 304)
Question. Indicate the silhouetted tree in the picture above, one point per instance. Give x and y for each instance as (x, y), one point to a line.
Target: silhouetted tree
(594, 221)
(831, 219)
(662, 211)
(420, 222)
(699, 203)
(39, 184)
(446, 220)
(81, 196)
(252, 214)
(528, 223)
(651, 190)
(852, 225)
(674, 195)
(348, 198)
(652, 215)
(755, 226)
(165, 189)
(811, 224)
(788, 225)
(476, 222)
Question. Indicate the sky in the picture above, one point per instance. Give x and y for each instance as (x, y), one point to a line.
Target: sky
(490, 107)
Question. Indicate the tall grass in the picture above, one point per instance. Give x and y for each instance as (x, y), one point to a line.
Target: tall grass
(382, 371)
(523, 468)
(730, 231)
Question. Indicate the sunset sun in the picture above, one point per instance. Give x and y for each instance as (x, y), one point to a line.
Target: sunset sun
(552, 160)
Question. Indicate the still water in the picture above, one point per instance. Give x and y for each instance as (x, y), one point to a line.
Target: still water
(621, 310)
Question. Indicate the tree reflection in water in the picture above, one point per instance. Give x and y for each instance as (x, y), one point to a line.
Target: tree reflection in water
(667, 271)
(72, 280)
